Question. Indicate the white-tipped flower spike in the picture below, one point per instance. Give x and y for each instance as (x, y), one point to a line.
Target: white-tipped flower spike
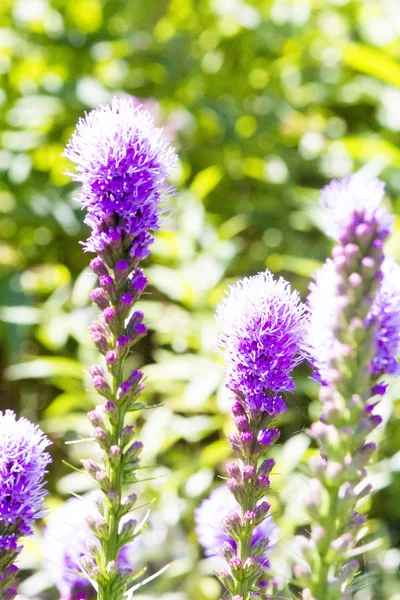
(354, 337)
(122, 161)
(264, 326)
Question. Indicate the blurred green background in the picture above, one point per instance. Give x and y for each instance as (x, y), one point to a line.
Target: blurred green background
(265, 101)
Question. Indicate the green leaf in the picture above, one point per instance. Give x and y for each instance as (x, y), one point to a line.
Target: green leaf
(371, 61)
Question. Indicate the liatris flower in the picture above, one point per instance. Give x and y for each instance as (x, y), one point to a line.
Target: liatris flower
(66, 540)
(355, 333)
(122, 162)
(23, 462)
(263, 332)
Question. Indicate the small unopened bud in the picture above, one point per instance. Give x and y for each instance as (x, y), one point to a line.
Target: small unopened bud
(266, 466)
(90, 466)
(98, 336)
(235, 564)
(368, 262)
(251, 567)
(133, 452)
(98, 526)
(127, 435)
(99, 298)
(94, 547)
(228, 551)
(88, 564)
(128, 503)
(114, 455)
(112, 569)
(111, 412)
(267, 437)
(127, 531)
(248, 474)
(260, 546)
(101, 438)
(98, 267)
(113, 498)
(261, 511)
(241, 423)
(238, 410)
(227, 580)
(233, 471)
(103, 481)
(233, 524)
(355, 280)
(107, 283)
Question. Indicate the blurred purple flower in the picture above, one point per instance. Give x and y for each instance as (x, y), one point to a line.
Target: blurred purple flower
(65, 543)
(263, 331)
(211, 535)
(385, 316)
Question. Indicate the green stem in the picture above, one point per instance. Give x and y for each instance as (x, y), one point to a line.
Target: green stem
(110, 546)
(244, 545)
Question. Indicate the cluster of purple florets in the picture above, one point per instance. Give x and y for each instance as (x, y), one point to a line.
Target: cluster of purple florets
(122, 163)
(23, 463)
(263, 329)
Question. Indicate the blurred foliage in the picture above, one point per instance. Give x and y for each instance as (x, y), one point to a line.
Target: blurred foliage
(265, 100)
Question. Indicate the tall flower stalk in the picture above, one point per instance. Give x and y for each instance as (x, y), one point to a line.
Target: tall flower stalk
(263, 329)
(122, 162)
(355, 333)
(23, 462)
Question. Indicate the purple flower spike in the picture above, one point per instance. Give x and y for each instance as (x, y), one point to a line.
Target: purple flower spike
(122, 161)
(263, 330)
(354, 339)
(264, 327)
(23, 462)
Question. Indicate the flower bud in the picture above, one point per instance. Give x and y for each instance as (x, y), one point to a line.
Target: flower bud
(126, 436)
(99, 298)
(98, 266)
(94, 547)
(114, 456)
(101, 438)
(233, 524)
(227, 580)
(98, 526)
(233, 471)
(91, 467)
(228, 551)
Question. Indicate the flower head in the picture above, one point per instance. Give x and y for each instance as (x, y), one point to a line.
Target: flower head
(123, 162)
(23, 462)
(209, 529)
(263, 331)
(355, 200)
(385, 316)
(65, 543)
